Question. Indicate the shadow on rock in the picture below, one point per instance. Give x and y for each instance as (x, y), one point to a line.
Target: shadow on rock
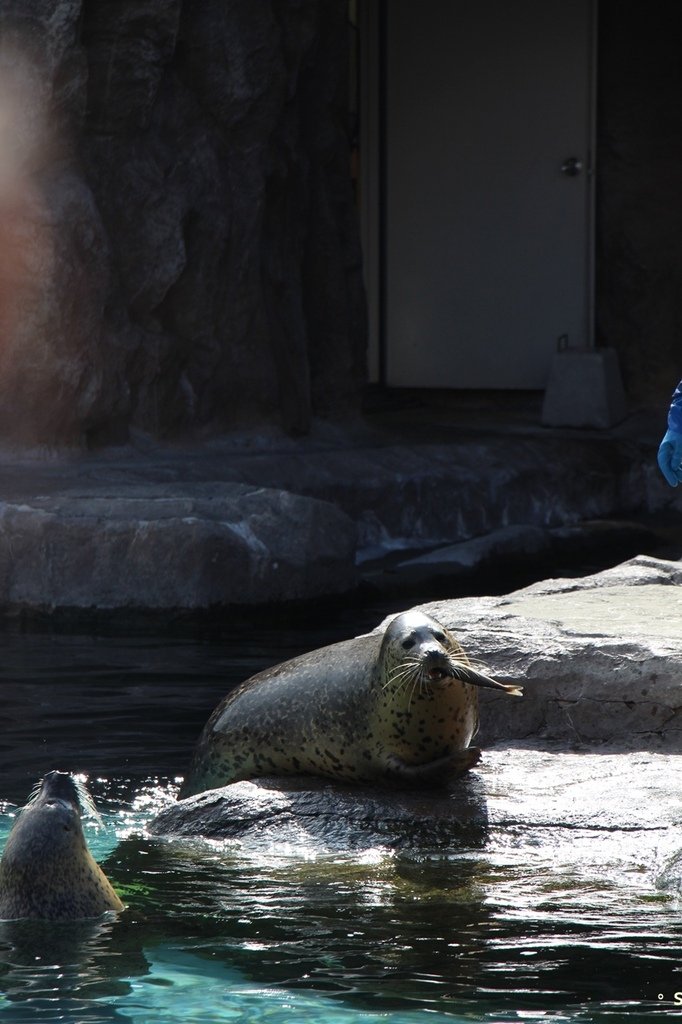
(300, 811)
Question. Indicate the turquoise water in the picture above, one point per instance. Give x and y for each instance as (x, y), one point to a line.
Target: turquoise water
(505, 930)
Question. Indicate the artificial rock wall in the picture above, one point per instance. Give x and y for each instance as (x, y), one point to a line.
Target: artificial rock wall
(178, 240)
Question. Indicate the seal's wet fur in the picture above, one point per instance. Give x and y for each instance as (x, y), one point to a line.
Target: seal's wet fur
(47, 871)
(397, 709)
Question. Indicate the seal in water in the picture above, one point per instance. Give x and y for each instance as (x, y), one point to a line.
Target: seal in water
(397, 709)
(47, 871)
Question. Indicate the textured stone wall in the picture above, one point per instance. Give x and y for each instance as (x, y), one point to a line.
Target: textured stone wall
(178, 241)
(639, 193)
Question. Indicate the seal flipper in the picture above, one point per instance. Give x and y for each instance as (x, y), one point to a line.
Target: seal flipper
(441, 771)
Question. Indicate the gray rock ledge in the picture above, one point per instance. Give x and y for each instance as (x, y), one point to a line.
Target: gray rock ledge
(582, 813)
(217, 544)
(600, 657)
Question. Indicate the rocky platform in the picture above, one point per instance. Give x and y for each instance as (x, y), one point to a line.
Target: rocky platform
(245, 521)
(533, 823)
(600, 657)
(591, 750)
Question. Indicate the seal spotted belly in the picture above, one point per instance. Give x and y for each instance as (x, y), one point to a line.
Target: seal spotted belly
(47, 871)
(397, 709)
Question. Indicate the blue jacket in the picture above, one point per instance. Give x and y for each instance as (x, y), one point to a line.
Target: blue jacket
(675, 412)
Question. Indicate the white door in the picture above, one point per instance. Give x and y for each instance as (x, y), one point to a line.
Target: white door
(487, 242)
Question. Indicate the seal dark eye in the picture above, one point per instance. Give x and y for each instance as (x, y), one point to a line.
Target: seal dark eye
(406, 644)
(440, 637)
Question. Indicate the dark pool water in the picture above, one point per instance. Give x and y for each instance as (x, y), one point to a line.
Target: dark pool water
(216, 932)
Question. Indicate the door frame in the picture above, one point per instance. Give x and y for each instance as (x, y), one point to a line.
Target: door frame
(372, 127)
(373, 178)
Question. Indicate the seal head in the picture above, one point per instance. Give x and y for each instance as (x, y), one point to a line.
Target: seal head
(394, 710)
(47, 871)
(425, 702)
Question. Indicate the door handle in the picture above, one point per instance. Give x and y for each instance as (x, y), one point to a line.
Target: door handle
(571, 166)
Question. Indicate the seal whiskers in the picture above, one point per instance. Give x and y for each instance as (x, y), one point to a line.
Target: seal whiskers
(403, 674)
(84, 801)
(456, 666)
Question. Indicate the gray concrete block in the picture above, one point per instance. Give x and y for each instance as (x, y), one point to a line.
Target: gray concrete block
(584, 389)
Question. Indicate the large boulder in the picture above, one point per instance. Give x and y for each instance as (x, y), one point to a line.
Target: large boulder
(316, 812)
(228, 544)
(575, 811)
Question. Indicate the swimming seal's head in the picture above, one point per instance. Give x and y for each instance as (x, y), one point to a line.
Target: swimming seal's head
(47, 871)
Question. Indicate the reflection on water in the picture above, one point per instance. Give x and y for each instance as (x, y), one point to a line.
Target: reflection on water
(514, 929)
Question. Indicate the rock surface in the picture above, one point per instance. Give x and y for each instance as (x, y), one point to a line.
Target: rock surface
(316, 509)
(302, 811)
(563, 814)
(538, 787)
(600, 657)
(229, 544)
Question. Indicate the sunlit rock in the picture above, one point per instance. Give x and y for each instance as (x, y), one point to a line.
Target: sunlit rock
(594, 817)
(600, 657)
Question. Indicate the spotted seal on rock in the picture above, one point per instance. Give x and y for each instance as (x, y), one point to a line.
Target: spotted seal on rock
(397, 709)
(47, 871)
